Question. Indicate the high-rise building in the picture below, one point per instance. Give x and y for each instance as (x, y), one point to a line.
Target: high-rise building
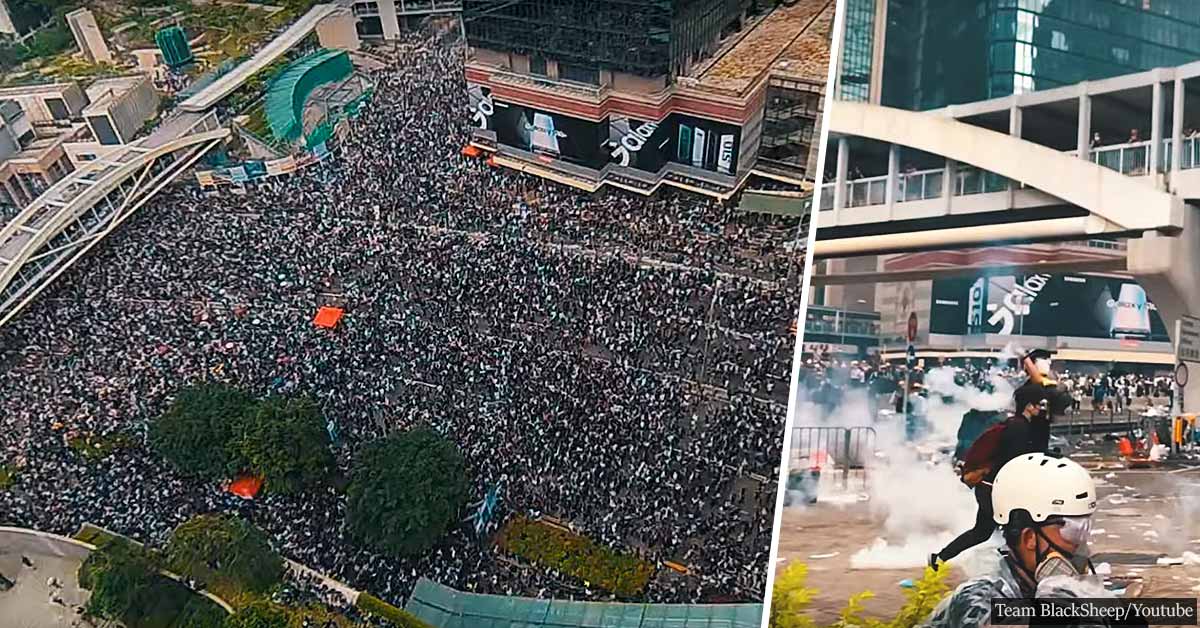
(88, 36)
(925, 54)
(388, 19)
(7, 25)
(637, 94)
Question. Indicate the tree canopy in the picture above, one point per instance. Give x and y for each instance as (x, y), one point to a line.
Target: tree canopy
(195, 433)
(120, 575)
(215, 431)
(259, 614)
(285, 441)
(224, 549)
(405, 491)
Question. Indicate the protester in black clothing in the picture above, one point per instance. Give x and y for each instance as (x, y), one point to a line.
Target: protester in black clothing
(1022, 435)
(618, 362)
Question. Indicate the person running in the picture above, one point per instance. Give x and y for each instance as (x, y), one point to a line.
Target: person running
(1044, 507)
(1019, 435)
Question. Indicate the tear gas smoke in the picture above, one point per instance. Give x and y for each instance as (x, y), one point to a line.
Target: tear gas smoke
(912, 486)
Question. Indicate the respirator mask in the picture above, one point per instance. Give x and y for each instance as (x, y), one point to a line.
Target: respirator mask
(1043, 365)
(1057, 561)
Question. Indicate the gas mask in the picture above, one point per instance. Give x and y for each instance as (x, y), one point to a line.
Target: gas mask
(1043, 365)
(1059, 562)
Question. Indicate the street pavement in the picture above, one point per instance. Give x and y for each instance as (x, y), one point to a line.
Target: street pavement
(1146, 533)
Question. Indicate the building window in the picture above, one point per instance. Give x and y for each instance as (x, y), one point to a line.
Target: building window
(1058, 40)
(578, 74)
(1120, 54)
(858, 50)
(537, 65)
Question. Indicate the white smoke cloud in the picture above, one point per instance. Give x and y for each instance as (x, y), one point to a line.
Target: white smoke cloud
(912, 487)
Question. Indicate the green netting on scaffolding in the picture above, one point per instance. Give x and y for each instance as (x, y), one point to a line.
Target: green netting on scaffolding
(288, 91)
(444, 607)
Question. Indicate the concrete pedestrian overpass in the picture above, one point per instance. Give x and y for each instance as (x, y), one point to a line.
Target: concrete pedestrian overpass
(1028, 168)
(76, 213)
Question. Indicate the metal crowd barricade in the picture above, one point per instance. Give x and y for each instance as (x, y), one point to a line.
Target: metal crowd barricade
(846, 451)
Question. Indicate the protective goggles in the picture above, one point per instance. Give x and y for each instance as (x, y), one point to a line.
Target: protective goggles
(1075, 530)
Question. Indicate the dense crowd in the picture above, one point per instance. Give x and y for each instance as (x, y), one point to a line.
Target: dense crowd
(825, 379)
(614, 361)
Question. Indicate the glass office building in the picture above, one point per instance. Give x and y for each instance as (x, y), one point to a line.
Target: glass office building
(858, 51)
(941, 52)
(643, 37)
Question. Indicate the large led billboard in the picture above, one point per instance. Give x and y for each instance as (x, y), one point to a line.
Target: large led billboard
(1087, 306)
(649, 145)
(646, 145)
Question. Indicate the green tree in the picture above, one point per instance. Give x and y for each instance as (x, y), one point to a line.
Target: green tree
(285, 441)
(120, 575)
(405, 491)
(195, 432)
(259, 614)
(225, 550)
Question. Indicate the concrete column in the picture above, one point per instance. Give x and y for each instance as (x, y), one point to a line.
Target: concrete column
(25, 191)
(1177, 105)
(1014, 129)
(1014, 121)
(879, 45)
(948, 184)
(843, 164)
(1083, 139)
(17, 192)
(388, 19)
(893, 178)
(1164, 266)
(1156, 130)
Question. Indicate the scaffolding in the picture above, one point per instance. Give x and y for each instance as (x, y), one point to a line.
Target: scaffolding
(791, 123)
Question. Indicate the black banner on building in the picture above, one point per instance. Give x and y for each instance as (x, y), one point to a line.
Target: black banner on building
(1083, 306)
(482, 106)
(550, 134)
(682, 139)
(645, 145)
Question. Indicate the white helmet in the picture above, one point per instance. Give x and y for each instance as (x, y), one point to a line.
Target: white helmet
(1044, 487)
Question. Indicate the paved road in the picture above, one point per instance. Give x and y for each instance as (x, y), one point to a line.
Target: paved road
(1142, 515)
(27, 605)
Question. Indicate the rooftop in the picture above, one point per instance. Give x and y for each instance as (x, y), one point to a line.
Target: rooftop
(791, 33)
(102, 91)
(33, 90)
(807, 58)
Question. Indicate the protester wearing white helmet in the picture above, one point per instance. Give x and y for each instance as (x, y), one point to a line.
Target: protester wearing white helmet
(1044, 506)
